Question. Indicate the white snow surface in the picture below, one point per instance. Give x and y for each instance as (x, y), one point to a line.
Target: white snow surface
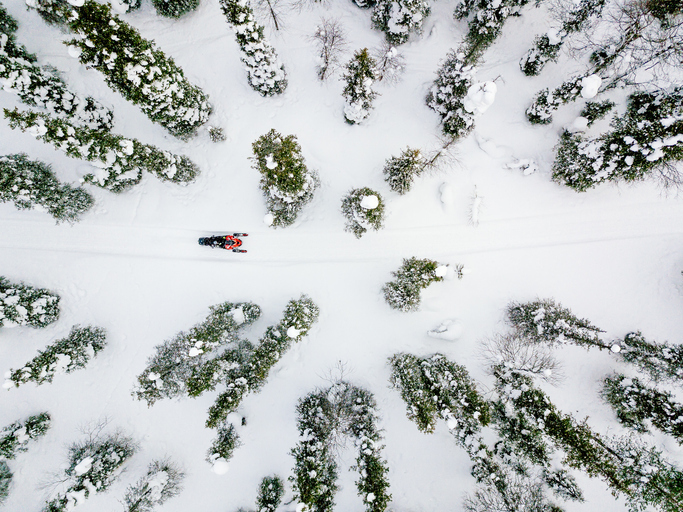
(590, 85)
(133, 266)
(480, 97)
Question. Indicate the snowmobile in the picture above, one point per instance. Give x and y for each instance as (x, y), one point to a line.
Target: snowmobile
(228, 242)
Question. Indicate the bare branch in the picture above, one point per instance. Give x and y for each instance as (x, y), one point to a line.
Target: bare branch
(330, 39)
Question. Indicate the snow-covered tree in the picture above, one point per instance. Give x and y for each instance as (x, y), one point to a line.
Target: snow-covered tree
(447, 94)
(399, 18)
(63, 356)
(660, 361)
(545, 321)
(400, 171)
(32, 184)
(286, 182)
(330, 39)
(358, 93)
(14, 438)
(363, 209)
(403, 293)
(174, 8)
(265, 72)
(162, 482)
(21, 304)
(223, 445)
(297, 319)
(389, 63)
(133, 66)
(514, 493)
(596, 110)
(94, 464)
(179, 359)
(638, 405)
(5, 480)
(119, 161)
(38, 87)
(323, 416)
(270, 493)
(647, 139)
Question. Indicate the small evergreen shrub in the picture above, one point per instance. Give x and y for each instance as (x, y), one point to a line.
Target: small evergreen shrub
(358, 93)
(162, 482)
(297, 320)
(403, 293)
(265, 72)
(270, 494)
(638, 405)
(660, 361)
(540, 54)
(63, 356)
(286, 182)
(119, 160)
(179, 359)
(363, 209)
(216, 134)
(400, 171)
(546, 101)
(5, 481)
(133, 5)
(596, 110)
(225, 443)
(174, 8)
(94, 464)
(399, 18)
(14, 438)
(545, 321)
(446, 96)
(646, 139)
(21, 304)
(132, 65)
(32, 184)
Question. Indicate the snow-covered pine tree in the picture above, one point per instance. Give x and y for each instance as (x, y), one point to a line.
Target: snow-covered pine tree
(270, 493)
(446, 96)
(545, 321)
(400, 171)
(573, 17)
(21, 304)
(162, 482)
(119, 160)
(5, 480)
(131, 65)
(178, 359)
(363, 209)
(265, 72)
(286, 182)
(660, 361)
(131, 5)
(596, 110)
(63, 356)
(297, 319)
(647, 139)
(638, 405)
(546, 101)
(32, 183)
(414, 274)
(37, 87)
(94, 464)
(174, 8)
(14, 438)
(399, 18)
(223, 445)
(358, 93)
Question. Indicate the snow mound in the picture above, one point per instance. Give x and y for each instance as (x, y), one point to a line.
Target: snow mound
(590, 85)
(83, 467)
(220, 466)
(268, 219)
(480, 97)
(293, 332)
(446, 194)
(449, 330)
(580, 124)
(441, 271)
(369, 202)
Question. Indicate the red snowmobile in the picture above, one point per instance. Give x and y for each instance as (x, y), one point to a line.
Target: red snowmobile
(228, 242)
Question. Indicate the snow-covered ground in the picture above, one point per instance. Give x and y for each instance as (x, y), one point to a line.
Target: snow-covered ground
(133, 266)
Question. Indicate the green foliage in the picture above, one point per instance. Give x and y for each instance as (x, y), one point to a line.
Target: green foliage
(297, 319)
(94, 464)
(270, 494)
(265, 72)
(177, 366)
(399, 18)
(660, 361)
(539, 55)
(225, 443)
(286, 182)
(647, 138)
(174, 8)
(216, 134)
(399, 172)
(360, 218)
(63, 356)
(21, 304)
(403, 293)
(358, 93)
(546, 101)
(638, 405)
(119, 160)
(8, 25)
(595, 110)
(162, 481)
(545, 321)
(446, 96)
(5, 480)
(664, 10)
(563, 484)
(31, 183)
(14, 438)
